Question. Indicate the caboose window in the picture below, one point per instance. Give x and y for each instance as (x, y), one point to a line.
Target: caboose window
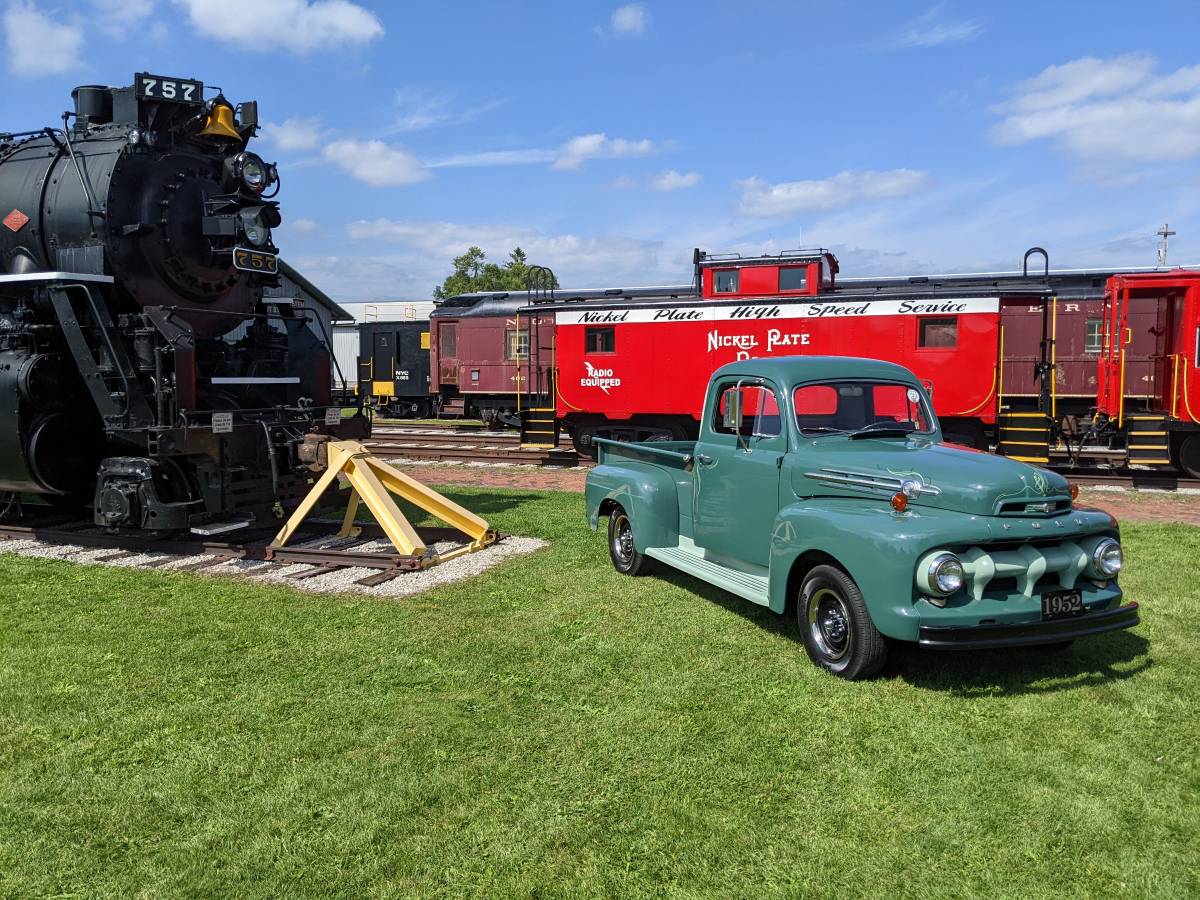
(938, 332)
(448, 335)
(725, 281)
(518, 343)
(1093, 341)
(793, 278)
(602, 339)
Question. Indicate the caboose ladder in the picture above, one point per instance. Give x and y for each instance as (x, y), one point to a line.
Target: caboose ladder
(373, 482)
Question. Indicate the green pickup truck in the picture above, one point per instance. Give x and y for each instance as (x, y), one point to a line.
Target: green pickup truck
(821, 485)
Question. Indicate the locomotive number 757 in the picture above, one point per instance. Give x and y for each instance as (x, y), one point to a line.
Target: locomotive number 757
(255, 261)
(181, 90)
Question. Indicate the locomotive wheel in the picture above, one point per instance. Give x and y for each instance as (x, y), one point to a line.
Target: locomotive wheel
(836, 627)
(1189, 455)
(625, 557)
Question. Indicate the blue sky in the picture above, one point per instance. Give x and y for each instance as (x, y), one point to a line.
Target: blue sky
(609, 139)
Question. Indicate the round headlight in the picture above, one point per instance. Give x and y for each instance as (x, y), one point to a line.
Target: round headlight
(253, 173)
(946, 574)
(1107, 558)
(940, 574)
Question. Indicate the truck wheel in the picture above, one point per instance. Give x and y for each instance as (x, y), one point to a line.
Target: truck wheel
(625, 558)
(837, 629)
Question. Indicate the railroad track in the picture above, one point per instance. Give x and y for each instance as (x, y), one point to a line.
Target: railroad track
(1132, 479)
(315, 551)
(446, 445)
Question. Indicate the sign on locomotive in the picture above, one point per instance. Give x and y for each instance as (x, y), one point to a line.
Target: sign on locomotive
(139, 367)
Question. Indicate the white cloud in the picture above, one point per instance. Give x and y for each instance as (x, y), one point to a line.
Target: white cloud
(304, 226)
(297, 25)
(37, 44)
(376, 163)
(578, 260)
(630, 19)
(418, 109)
(578, 150)
(296, 133)
(1107, 111)
(571, 155)
(787, 198)
(496, 158)
(623, 182)
(671, 180)
(118, 17)
(932, 29)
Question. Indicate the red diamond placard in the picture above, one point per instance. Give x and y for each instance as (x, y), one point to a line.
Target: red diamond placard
(15, 220)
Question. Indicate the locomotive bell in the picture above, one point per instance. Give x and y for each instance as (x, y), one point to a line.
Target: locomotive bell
(219, 123)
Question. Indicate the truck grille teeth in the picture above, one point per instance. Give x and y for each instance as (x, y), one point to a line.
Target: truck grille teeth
(1026, 564)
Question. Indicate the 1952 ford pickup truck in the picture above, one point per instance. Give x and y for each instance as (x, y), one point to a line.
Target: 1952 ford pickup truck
(821, 485)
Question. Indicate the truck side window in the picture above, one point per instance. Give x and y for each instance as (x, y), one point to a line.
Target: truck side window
(725, 281)
(600, 339)
(760, 412)
(938, 332)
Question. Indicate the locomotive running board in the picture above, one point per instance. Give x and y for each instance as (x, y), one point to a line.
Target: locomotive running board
(373, 482)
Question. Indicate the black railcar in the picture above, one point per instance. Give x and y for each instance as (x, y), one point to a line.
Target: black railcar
(393, 368)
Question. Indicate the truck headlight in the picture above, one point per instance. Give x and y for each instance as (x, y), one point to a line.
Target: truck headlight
(940, 574)
(1107, 558)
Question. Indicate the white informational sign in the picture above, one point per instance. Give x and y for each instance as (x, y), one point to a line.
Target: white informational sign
(333, 415)
(222, 423)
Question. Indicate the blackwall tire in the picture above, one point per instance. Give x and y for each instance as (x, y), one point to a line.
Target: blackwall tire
(625, 557)
(836, 627)
(1189, 455)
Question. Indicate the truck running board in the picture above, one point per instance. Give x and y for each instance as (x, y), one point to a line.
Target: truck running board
(687, 557)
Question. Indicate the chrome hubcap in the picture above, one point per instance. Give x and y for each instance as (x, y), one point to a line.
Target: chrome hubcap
(623, 541)
(829, 623)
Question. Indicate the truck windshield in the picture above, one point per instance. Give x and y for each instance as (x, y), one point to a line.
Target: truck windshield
(861, 407)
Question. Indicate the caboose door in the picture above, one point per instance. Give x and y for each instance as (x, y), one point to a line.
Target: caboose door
(383, 357)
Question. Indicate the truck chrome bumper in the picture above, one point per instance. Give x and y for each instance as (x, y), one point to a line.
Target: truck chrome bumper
(1026, 634)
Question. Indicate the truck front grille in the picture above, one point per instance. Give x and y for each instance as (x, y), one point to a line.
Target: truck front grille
(1026, 564)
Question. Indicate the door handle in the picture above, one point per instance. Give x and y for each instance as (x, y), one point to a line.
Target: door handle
(704, 459)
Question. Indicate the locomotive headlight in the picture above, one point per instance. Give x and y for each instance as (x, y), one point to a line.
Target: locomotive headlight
(255, 230)
(251, 171)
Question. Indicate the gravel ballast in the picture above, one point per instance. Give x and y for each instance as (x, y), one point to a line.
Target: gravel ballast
(341, 581)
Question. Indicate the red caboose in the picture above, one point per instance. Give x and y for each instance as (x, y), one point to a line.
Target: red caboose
(638, 370)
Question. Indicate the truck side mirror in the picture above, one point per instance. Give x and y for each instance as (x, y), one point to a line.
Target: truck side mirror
(731, 420)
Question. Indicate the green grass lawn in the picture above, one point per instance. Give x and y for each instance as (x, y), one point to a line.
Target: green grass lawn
(552, 728)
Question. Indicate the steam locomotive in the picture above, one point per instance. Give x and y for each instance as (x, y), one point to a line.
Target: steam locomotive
(140, 368)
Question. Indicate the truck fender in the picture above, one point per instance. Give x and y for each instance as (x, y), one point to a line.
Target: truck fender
(858, 539)
(648, 497)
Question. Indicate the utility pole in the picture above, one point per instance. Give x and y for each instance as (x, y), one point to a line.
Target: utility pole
(1164, 232)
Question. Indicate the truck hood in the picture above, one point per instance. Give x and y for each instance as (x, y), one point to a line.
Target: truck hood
(948, 476)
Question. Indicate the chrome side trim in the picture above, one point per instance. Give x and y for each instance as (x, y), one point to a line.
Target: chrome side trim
(890, 484)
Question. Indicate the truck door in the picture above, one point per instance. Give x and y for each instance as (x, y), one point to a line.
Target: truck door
(737, 471)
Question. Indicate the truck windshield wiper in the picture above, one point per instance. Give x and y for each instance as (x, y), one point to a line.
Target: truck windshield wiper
(882, 429)
(821, 429)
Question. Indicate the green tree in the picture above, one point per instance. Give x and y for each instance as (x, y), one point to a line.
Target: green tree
(471, 272)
